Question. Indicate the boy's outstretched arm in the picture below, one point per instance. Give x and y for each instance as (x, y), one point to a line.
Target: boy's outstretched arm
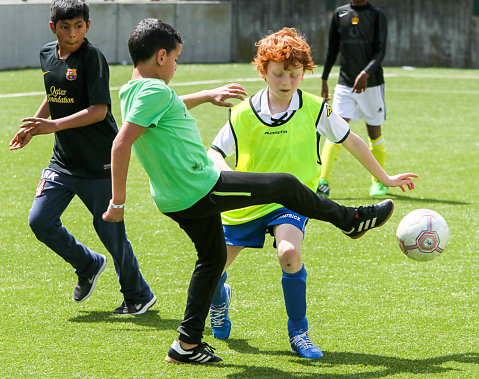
(216, 96)
(358, 148)
(120, 160)
(39, 124)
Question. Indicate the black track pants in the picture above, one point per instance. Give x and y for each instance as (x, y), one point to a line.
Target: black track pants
(202, 223)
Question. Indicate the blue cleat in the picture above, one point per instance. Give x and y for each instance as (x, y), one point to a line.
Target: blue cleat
(301, 344)
(219, 320)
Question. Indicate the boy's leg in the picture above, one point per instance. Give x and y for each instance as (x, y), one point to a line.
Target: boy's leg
(220, 303)
(54, 193)
(373, 110)
(51, 200)
(220, 296)
(378, 149)
(207, 235)
(96, 195)
(208, 238)
(329, 156)
(377, 144)
(241, 189)
(288, 240)
(294, 291)
(219, 309)
(344, 105)
(236, 189)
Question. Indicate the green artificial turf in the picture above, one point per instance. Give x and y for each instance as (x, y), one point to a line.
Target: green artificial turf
(383, 314)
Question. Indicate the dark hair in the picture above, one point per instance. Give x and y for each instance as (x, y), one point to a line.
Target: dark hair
(150, 36)
(68, 10)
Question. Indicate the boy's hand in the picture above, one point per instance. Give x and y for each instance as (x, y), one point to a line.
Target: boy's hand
(113, 214)
(39, 125)
(20, 139)
(229, 91)
(401, 180)
(361, 82)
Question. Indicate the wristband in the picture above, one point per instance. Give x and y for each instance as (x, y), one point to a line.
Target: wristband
(116, 206)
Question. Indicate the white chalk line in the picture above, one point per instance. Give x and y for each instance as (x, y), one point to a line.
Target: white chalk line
(312, 76)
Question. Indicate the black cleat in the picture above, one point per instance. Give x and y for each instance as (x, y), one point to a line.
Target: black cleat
(203, 353)
(134, 308)
(85, 286)
(369, 217)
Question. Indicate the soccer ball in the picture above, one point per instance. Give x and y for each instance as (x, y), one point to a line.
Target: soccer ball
(423, 235)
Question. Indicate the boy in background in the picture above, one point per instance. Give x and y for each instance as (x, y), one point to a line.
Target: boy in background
(358, 34)
(278, 130)
(186, 185)
(76, 77)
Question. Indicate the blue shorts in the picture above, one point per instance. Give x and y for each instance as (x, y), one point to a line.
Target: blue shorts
(252, 233)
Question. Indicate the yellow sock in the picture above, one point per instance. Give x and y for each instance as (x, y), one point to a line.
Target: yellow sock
(329, 155)
(378, 149)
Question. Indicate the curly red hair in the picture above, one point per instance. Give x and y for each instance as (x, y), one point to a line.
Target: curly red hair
(285, 46)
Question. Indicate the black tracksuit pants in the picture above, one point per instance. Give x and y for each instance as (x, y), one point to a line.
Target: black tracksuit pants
(202, 223)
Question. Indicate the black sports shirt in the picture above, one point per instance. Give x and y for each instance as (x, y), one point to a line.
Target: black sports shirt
(72, 85)
(359, 35)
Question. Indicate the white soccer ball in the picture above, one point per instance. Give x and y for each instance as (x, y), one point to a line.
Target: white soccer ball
(423, 235)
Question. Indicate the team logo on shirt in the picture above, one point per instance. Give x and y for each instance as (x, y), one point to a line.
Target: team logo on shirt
(58, 95)
(355, 20)
(71, 74)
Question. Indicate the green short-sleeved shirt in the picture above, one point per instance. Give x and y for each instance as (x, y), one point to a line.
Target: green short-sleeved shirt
(171, 150)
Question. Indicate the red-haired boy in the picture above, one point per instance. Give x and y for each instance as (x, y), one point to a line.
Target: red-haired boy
(278, 130)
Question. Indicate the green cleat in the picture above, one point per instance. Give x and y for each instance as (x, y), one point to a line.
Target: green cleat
(377, 189)
(323, 187)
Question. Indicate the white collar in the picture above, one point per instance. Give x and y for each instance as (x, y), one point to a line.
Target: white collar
(261, 105)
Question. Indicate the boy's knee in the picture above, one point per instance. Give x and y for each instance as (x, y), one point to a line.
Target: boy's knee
(288, 252)
(39, 225)
(285, 180)
(289, 257)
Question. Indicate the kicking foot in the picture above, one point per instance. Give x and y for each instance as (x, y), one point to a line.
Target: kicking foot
(369, 217)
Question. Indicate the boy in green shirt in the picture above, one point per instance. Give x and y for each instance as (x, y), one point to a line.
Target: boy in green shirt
(186, 185)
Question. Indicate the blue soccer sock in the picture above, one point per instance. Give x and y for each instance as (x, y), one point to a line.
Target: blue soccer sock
(294, 291)
(219, 296)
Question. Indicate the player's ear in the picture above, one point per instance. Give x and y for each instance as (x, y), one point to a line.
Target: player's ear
(161, 56)
(53, 28)
(88, 25)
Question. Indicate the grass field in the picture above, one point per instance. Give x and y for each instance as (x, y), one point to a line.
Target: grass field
(384, 314)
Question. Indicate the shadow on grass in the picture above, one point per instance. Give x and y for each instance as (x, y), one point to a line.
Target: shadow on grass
(149, 319)
(385, 366)
(404, 198)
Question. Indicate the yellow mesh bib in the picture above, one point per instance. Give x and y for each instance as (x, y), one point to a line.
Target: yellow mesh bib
(290, 147)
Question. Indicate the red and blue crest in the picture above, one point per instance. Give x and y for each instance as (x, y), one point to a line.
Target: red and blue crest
(71, 74)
